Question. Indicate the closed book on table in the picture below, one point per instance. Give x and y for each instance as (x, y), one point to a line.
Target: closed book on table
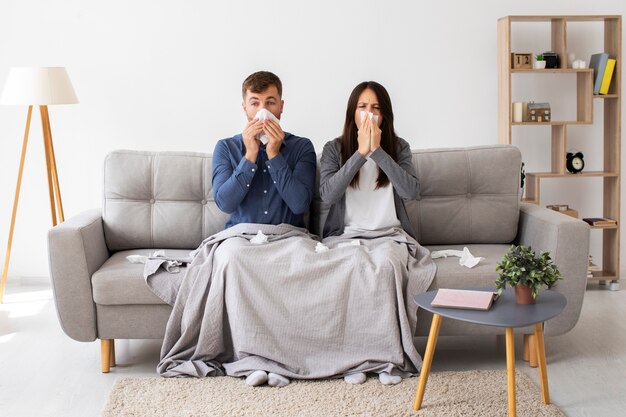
(468, 299)
(598, 63)
(608, 74)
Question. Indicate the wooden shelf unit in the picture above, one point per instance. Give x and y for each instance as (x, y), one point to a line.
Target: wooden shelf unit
(610, 173)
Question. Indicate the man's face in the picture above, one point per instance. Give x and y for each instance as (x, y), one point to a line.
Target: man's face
(267, 99)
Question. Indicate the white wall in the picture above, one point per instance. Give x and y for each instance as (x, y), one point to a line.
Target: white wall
(166, 75)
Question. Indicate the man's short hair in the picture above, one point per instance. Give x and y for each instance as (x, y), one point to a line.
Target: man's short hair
(261, 81)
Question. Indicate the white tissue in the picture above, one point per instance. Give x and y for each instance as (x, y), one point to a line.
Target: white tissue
(354, 242)
(137, 259)
(320, 247)
(467, 259)
(140, 259)
(259, 239)
(370, 116)
(264, 114)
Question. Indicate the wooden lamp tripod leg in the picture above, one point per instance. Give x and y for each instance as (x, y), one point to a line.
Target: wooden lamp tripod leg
(45, 123)
(15, 204)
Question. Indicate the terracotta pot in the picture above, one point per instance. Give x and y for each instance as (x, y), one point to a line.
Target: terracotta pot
(523, 294)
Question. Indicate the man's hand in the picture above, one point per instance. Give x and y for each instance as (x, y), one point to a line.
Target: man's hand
(364, 137)
(376, 134)
(275, 135)
(252, 129)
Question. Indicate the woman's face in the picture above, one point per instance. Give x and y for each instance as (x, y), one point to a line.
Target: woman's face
(367, 102)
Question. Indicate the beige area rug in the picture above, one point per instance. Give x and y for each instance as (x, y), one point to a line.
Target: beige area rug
(474, 393)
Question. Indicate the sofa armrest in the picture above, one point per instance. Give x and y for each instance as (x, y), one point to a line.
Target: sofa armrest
(76, 249)
(567, 240)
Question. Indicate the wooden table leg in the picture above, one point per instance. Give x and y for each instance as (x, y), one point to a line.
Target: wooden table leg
(510, 368)
(428, 360)
(541, 359)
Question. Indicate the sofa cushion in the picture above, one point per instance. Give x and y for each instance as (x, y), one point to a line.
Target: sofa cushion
(467, 195)
(165, 199)
(158, 199)
(119, 282)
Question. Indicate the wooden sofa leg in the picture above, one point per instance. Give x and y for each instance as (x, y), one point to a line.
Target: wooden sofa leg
(112, 362)
(105, 355)
(530, 350)
(526, 351)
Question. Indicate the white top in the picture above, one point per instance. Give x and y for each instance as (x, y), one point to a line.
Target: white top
(368, 208)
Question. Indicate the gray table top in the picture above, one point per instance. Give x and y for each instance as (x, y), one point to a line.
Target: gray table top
(504, 312)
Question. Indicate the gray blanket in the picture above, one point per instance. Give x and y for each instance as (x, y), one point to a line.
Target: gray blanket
(284, 308)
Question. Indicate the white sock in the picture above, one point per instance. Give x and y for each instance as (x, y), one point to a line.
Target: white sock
(275, 380)
(354, 379)
(387, 379)
(257, 378)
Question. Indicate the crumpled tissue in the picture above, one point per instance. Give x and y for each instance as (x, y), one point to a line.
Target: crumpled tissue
(320, 247)
(370, 115)
(264, 114)
(259, 239)
(141, 259)
(159, 259)
(467, 259)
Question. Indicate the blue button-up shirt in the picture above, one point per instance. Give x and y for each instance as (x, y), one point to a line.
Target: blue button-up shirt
(269, 192)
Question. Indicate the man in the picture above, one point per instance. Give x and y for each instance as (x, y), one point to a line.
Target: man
(268, 183)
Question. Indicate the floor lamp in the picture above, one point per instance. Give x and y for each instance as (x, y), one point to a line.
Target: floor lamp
(37, 86)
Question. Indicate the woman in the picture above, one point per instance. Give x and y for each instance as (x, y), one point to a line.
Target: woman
(367, 172)
(365, 175)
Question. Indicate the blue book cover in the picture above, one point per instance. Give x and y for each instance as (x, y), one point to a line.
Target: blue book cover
(598, 63)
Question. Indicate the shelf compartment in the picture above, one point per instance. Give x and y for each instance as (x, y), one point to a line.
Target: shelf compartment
(552, 70)
(603, 275)
(558, 123)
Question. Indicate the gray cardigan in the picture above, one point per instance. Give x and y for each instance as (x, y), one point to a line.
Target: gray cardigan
(335, 179)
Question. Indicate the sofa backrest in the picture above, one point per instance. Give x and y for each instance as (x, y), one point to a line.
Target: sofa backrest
(165, 199)
(467, 195)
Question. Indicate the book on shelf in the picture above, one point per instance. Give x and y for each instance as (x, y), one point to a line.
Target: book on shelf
(467, 299)
(599, 221)
(606, 78)
(598, 63)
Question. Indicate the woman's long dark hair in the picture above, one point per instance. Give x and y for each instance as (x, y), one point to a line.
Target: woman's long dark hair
(349, 142)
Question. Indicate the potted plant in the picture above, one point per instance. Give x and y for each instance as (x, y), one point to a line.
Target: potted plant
(539, 62)
(527, 272)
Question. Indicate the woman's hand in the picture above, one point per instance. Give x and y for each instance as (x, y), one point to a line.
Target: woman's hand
(375, 135)
(365, 137)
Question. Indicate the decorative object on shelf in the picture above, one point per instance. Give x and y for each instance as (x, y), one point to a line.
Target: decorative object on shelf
(540, 63)
(592, 267)
(600, 221)
(522, 178)
(598, 63)
(564, 209)
(552, 59)
(527, 272)
(521, 61)
(518, 112)
(37, 86)
(571, 57)
(575, 162)
(579, 64)
(538, 112)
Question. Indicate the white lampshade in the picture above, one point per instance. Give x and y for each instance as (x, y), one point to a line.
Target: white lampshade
(38, 86)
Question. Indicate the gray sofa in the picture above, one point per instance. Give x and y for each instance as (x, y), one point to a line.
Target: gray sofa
(469, 197)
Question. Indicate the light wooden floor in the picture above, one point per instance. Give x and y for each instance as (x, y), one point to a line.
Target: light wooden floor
(45, 373)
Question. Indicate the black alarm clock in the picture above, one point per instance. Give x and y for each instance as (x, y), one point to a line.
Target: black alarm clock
(574, 162)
